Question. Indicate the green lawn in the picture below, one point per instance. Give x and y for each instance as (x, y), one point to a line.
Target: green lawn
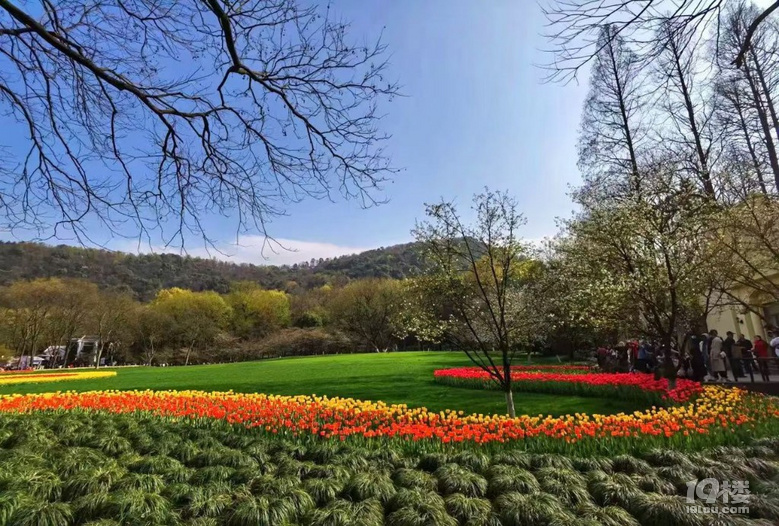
(393, 377)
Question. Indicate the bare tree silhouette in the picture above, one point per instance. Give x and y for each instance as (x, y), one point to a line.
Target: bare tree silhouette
(145, 115)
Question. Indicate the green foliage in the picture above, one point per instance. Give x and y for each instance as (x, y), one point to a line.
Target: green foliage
(504, 478)
(453, 478)
(32, 513)
(142, 482)
(660, 510)
(262, 511)
(323, 490)
(369, 311)
(606, 516)
(308, 481)
(415, 479)
(345, 513)
(538, 509)
(566, 484)
(137, 506)
(209, 501)
(145, 274)
(195, 318)
(473, 460)
(370, 485)
(10, 501)
(90, 506)
(256, 312)
(470, 511)
(423, 514)
(629, 465)
(614, 490)
(87, 481)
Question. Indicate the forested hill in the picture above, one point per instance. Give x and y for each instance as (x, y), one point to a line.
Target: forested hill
(147, 273)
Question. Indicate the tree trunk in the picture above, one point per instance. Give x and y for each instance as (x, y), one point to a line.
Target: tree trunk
(669, 369)
(510, 404)
(766, 93)
(750, 147)
(703, 160)
(765, 126)
(150, 354)
(99, 354)
(627, 132)
(189, 351)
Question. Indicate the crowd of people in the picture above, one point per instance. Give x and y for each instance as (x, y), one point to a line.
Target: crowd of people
(703, 357)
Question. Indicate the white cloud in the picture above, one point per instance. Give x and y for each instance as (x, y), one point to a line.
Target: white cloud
(257, 250)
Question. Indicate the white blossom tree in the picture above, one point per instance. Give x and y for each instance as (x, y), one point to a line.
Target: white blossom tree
(650, 260)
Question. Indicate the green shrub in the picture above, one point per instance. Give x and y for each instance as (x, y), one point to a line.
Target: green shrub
(261, 511)
(42, 514)
(508, 478)
(415, 479)
(453, 478)
(653, 509)
(369, 485)
(565, 484)
(537, 509)
(340, 512)
(323, 490)
(613, 490)
(98, 480)
(469, 510)
(140, 481)
(414, 498)
(424, 514)
(606, 516)
(137, 506)
(473, 460)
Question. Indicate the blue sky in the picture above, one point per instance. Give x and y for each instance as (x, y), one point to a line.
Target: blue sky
(475, 113)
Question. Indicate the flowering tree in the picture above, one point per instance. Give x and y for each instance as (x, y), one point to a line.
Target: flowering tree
(648, 259)
(748, 236)
(483, 273)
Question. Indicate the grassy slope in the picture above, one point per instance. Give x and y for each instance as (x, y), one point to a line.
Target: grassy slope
(394, 378)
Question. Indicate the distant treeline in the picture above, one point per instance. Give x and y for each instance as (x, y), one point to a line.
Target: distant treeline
(144, 275)
(182, 326)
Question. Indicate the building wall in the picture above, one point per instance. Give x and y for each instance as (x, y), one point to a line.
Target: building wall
(740, 320)
(733, 319)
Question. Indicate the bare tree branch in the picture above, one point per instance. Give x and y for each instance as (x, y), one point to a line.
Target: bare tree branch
(739, 61)
(145, 116)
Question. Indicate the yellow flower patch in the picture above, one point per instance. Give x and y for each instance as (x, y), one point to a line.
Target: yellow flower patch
(30, 378)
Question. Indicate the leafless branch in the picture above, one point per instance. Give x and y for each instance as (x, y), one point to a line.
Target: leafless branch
(146, 116)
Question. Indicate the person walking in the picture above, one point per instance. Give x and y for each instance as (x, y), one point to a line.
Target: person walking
(603, 352)
(642, 363)
(705, 341)
(697, 363)
(744, 348)
(735, 361)
(761, 352)
(717, 357)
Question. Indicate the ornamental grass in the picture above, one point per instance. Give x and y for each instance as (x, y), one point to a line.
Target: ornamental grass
(77, 479)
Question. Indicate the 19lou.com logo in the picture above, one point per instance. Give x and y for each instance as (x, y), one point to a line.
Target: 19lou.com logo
(712, 496)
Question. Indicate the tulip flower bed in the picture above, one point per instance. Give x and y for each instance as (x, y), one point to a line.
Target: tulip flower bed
(99, 468)
(560, 380)
(17, 378)
(718, 416)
